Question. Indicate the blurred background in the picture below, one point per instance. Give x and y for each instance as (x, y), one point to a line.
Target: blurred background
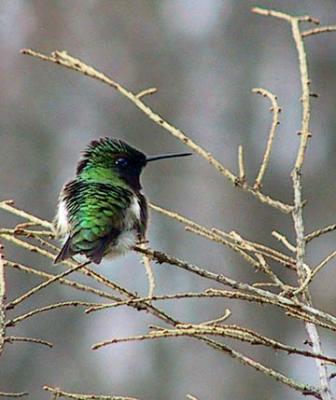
(204, 56)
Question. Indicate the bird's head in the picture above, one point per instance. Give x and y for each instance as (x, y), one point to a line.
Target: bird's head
(113, 161)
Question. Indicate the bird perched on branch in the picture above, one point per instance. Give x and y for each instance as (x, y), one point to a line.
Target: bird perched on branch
(102, 212)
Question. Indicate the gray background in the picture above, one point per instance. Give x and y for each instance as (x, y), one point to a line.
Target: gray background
(204, 56)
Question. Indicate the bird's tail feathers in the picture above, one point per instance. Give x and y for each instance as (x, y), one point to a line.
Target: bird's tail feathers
(65, 253)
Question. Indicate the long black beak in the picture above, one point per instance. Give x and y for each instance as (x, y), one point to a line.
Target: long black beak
(163, 156)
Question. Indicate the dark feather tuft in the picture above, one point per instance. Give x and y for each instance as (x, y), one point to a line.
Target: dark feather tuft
(65, 252)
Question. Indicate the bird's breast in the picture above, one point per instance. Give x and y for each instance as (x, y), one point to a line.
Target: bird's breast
(133, 213)
(61, 222)
(130, 235)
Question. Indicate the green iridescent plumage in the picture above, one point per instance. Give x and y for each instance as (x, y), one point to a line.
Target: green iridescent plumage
(102, 210)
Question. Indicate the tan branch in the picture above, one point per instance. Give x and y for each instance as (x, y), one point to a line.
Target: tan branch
(64, 59)
(44, 285)
(15, 321)
(319, 232)
(297, 213)
(2, 301)
(15, 395)
(79, 396)
(316, 31)
(276, 111)
(282, 239)
(219, 346)
(149, 271)
(241, 165)
(73, 284)
(8, 205)
(12, 339)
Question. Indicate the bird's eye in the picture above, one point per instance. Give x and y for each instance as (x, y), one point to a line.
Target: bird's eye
(121, 162)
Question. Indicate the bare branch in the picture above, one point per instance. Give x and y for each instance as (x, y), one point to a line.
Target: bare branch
(146, 92)
(2, 301)
(12, 339)
(276, 111)
(15, 321)
(282, 239)
(242, 174)
(64, 59)
(297, 184)
(20, 394)
(319, 232)
(44, 284)
(79, 396)
(316, 31)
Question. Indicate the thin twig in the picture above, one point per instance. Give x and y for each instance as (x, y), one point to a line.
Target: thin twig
(319, 232)
(146, 92)
(16, 320)
(2, 301)
(282, 239)
(10, 394)
(191, 397)
(241, 164)
(322, 264)
(149, 271)
(73, 284)
(80, 396)
(11, 339)
(8, 205)
(316, 31)
(45, 284)
(276, 111)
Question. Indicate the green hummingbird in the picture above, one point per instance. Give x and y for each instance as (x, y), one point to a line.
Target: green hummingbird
(102, 212)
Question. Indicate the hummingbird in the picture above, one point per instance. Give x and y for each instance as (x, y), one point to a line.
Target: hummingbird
(102, 211)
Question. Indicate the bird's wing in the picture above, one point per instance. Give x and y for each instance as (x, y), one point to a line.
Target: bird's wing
(96, 216)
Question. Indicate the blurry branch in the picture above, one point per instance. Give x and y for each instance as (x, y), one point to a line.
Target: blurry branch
(322, 264)
(276, 111)
(242, 174)
(281, 238)
(146, 92)
(64, 59)
(79, 396)
(316, 31)
(17, 395)
(2, 301)
(191, 397)
(12, 339)
(13, 322)
(320, 232)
